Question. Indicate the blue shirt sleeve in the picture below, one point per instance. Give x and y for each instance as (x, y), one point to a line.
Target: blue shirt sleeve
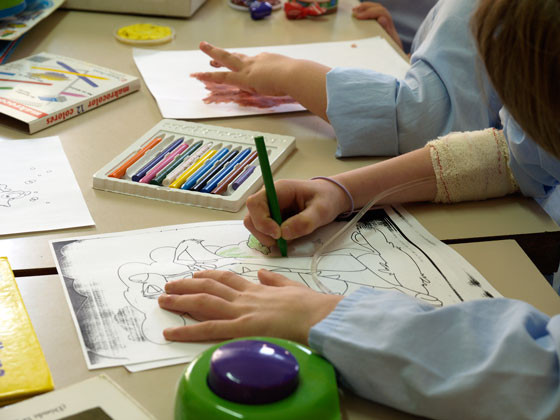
(445, 90)
(492, 359)
(536, 171)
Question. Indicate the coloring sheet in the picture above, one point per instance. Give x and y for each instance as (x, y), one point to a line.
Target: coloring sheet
(38, 190)
(13, 27)
(178, 95)
(112, 281)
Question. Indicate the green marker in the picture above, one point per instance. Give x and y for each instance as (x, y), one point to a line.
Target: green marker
(270, 191)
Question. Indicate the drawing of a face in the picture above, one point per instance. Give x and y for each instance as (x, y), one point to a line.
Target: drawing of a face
(7, 195)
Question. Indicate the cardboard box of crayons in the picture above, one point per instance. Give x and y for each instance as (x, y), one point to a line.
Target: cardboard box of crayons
(45, 89)
(175, 8)
(195, 164)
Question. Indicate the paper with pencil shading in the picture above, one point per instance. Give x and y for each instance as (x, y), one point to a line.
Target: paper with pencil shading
(112, 281)
(178, 95)
(38, 190)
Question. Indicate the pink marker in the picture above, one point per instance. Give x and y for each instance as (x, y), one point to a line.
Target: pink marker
(165, 161)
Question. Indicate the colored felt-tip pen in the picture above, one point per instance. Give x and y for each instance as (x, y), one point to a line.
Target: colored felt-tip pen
(243, 177)
(273, 205)
(177, 160)
(224, 183)
(163, 163)
(121, 170)
(144, 170)
(212, 182)
(216, 168)
(192, 169)
(192, 180)
(186, 165)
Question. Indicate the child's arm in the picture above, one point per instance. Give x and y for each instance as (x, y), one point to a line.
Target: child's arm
(475, 357)
(457, 167)
(271, 74)
(318, 202)
(370, 10)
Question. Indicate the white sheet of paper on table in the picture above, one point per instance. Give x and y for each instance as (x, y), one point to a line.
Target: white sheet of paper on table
(112, 281)
(38, 190)
(178, 95)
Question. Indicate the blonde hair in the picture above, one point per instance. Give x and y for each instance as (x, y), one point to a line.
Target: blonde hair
(519, 42)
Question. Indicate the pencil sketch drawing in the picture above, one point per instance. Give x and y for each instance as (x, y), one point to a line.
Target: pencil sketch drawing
(113, 281)
(7, 195)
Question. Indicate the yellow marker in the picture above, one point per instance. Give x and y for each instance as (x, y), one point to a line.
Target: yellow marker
(70, 72)
(181, 179)
(146, 33)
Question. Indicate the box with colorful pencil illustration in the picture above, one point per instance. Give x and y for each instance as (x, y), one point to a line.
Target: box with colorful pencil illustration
(45, 89)
(191, 163)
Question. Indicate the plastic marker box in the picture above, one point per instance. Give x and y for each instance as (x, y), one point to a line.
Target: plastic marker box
(164, 145)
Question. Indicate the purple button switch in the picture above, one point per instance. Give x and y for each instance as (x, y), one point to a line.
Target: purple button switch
(253, 372)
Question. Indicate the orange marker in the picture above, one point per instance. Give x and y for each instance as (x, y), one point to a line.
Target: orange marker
(121, 170)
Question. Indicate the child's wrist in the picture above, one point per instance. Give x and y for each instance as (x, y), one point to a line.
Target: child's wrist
(348, 208)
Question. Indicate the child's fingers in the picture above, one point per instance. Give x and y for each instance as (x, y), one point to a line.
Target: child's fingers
(263, 238)
(227, 278)
(257, 204)
(270, 278)
(304, 222)
(204, 331)
(201, 307)
(225, 58)
(200, 285)
(369, 11)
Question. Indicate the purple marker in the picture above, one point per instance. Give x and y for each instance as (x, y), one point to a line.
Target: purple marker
(243, 177)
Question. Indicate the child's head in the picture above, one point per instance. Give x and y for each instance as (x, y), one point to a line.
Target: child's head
(519, 42)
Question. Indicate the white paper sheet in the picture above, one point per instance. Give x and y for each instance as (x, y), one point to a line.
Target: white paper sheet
(38, 190)
(167, 73)
(112, 281)
(94, 398)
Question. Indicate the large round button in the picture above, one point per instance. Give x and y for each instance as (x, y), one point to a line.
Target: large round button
(253, 372)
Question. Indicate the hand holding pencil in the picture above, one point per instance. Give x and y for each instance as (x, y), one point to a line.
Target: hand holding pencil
(310, 204)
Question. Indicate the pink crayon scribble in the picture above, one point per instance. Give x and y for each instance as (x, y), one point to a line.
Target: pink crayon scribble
(220, 93)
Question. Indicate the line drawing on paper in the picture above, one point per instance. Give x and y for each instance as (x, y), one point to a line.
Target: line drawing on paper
(7, 195)
(113, 281)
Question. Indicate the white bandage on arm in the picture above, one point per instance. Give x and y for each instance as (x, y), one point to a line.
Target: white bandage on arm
(471, 166)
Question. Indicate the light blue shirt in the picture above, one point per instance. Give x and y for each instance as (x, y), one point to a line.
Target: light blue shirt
(536, 171)
(407, 16)
(484, 359)
(445, 89)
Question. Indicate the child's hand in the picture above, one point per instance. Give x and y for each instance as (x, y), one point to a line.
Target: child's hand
(370, 10)
(261, 74)
(229, 306)
(311, 204)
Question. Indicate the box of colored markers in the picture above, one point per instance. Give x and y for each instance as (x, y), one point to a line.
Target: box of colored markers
(191, 163)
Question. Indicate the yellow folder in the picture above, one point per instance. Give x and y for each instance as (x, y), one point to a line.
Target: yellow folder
(23, 369)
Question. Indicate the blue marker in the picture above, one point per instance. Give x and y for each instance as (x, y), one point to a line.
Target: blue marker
(213, 183)
(243, 177)
(142, 172)
(218, 166)
(205, 168)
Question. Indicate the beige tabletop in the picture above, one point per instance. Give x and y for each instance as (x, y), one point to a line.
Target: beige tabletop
(93, 139)
(508, 269)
